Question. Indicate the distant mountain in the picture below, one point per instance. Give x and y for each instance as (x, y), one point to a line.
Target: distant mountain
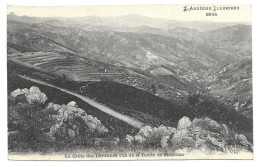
(12, 14)
(128, 21)
(183, 55)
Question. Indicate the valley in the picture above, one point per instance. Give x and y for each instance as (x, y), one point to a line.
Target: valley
(142, 74)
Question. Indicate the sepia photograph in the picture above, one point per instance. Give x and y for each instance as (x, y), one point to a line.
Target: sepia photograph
(129, 82)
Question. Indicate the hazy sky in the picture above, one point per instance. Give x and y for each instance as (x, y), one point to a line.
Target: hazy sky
(174, 12)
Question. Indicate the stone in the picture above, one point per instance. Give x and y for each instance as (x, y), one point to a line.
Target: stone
(53, 129)
(35, 89)
(215, 142)
(53, 106)
(199, 142)
(94, 124)
(181, 133)
(25, 90)
(71, 133)
(81, 111)
(16, 93)
(171, 130)
(35, 96)
(241, 138)
(188, 142)
(56, 107)
(129, 138)
(146, 131)
(183, 123)
(59, 130)
(225, 130)
(72, 103)
(178, 136)
(207, 124)
(164, 141)
(139, 138)
(163, 131)
(102, 130)
(57, 118)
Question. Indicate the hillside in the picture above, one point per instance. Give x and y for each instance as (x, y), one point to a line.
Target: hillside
(158, 72)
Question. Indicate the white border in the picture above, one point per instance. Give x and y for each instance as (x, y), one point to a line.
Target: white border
(3, 84)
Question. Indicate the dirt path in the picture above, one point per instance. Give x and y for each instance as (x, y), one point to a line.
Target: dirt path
(129, 120)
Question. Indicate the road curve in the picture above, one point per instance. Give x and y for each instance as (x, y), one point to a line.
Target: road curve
(129, 120)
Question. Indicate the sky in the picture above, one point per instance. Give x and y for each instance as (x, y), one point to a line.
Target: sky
(173, 12)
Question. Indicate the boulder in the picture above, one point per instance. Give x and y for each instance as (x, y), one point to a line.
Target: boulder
(207, 124)
(94, 124)
(56, 107)
(140, 139)
(68, 115)
(81, 111)
(243, 141)
(59, 130)
(241, 138)
(164, 141)
(129, 138)
(188, 142)
(57, 118)
(178, 136)
(54, 129)
(171, 129)
(53, 106)
(181, 133)
(225, 130)
(35, 89)
(183, 123)
(25, 90)
(72, 103)
(146, 131)
(163, 131)
(215, 142)
(35, 96)
(71, 133)
(16, 93)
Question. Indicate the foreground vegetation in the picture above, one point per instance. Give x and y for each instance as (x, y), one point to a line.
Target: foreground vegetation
(34, 125)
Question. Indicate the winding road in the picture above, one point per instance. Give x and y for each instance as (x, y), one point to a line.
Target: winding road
(129, 120)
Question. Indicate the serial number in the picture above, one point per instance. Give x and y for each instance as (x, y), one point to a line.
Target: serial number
(211, 14)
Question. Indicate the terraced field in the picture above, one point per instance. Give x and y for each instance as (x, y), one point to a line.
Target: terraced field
(74, 67)
(77, 69)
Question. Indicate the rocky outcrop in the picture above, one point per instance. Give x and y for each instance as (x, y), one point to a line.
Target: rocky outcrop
(33, 95)
(204, 135)
(148, 135)
(53, 106)
(69, 124)
(94, 124)
(16, 93)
